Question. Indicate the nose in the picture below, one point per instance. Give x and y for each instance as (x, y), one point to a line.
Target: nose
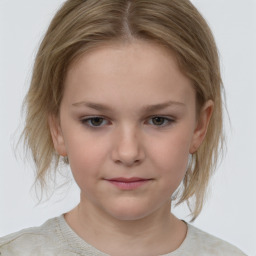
(128, 149)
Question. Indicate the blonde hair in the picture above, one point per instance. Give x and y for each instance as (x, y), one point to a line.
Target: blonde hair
(81, 25)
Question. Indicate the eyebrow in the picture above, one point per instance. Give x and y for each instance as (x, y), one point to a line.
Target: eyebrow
(92, 105)
(148, 108)
(161, 106)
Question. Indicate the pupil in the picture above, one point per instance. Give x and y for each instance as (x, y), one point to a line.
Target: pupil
(96, 121)
(158, 120)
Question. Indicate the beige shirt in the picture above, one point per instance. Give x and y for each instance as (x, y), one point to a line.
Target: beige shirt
(55, 237)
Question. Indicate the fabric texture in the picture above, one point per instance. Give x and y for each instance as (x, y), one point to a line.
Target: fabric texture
(56, 238)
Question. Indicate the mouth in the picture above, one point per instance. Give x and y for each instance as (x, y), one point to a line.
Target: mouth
(128, 183)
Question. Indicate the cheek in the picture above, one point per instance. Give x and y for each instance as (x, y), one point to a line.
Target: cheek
(86, 157)
(171, 164)
(171, 155)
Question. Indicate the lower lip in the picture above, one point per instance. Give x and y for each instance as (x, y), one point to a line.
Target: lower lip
(129, 185)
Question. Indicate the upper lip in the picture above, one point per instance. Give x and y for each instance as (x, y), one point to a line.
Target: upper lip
(127, 180)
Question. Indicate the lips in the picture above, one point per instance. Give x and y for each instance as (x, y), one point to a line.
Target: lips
(128, 183)
(128, 180)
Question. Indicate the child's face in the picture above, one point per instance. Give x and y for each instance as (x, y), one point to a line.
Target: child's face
(128, 112)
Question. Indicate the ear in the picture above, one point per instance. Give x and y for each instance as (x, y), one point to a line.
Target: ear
(57, 136)
(201, 126)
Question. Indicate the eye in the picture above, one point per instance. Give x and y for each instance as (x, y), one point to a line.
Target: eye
(160, 121)
(96, 121)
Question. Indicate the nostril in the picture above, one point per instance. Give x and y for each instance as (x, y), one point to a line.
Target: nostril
(128, 163)
(127, 149)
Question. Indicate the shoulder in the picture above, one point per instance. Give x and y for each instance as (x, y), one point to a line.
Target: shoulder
(32, 241)
(202, 243)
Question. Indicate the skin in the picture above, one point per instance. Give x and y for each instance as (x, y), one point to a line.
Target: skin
(123, 87)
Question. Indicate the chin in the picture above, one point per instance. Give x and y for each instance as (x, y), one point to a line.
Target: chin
(129, 216)
(130, 212)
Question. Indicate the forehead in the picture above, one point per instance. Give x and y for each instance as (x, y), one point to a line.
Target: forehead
(146, 54)
(126, 70)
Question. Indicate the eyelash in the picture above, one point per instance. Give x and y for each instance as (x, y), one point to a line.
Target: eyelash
(88, 121)
(167, 121)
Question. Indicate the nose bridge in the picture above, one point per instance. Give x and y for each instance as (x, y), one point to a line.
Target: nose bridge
(128, 146)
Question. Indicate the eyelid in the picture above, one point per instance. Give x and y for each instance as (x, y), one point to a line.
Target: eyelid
(170, 120)
(85, 121)
(167, 119)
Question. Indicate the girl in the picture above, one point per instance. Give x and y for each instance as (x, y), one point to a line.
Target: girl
(128, 93)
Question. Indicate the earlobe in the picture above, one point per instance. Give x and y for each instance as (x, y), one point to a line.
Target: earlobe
(202, 126)
(57, 136)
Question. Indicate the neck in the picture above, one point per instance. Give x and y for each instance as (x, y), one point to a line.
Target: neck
(145, 236)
